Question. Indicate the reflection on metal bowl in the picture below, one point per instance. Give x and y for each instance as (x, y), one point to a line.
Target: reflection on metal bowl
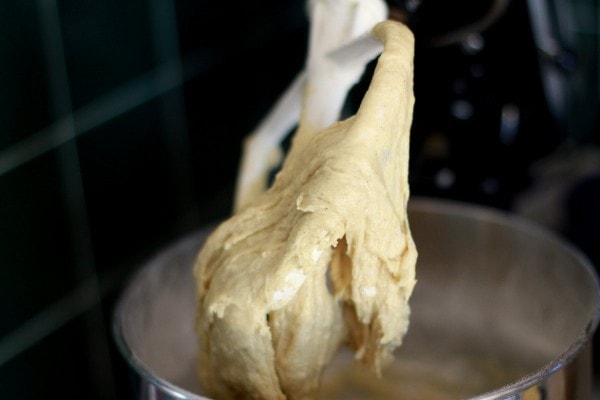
(502, 309)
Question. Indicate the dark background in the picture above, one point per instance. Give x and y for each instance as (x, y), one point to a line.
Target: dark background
(121, 124)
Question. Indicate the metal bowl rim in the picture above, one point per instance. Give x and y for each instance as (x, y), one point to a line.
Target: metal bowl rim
(433, 206)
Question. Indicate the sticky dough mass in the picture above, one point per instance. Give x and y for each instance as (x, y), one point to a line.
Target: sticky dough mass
(323, 258)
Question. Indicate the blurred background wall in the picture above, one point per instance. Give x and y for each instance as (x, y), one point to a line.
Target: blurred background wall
(120, 130)
(120, 124)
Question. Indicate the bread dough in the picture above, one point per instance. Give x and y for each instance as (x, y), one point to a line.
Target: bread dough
(323, 258)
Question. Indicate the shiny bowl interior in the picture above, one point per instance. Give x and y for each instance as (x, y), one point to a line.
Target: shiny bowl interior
(500, 306)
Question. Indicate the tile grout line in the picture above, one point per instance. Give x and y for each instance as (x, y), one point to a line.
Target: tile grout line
(80, 240)
(124, 98)
(68, 154)
(75, 303)
(80, 245)
(127, 97)
(68, 125)
(62, 131)
(81, 299)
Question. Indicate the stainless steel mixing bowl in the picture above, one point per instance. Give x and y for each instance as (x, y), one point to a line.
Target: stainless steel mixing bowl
(502, 309)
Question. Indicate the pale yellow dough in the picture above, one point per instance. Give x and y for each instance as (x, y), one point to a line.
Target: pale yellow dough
(322, 258)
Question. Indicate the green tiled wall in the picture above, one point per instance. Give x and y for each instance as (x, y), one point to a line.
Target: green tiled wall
(116, 137)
